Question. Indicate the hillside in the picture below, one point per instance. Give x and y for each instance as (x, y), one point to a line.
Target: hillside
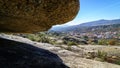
(100, 28)
(85, 26)
(101, 22)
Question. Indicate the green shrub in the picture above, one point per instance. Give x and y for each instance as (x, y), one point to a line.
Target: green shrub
(71, 43)
(102, 55)
(39, 38)
(117, 62)
(32, 37)
(102, 42)
(86, 38)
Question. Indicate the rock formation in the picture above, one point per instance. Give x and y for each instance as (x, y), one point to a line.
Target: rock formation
(15, 54)
(29, 16)
(35, 15)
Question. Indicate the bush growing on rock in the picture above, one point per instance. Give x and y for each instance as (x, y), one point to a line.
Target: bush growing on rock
(102, 55)
(39, 38)
(102, 42)
(71, 43)
(112, 42)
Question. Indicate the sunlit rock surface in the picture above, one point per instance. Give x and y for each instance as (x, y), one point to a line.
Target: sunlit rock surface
(35, 15)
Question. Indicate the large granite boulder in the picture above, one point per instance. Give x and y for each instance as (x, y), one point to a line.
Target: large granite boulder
(15, 54)
(35, 15)
(29, 16)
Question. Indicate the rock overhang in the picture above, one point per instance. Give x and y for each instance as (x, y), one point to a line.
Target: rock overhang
(29, 16)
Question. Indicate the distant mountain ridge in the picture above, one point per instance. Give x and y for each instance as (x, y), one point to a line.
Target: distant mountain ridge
(82, 26)
(101, 22)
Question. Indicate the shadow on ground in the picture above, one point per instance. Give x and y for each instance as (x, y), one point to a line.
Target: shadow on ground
(15, 54)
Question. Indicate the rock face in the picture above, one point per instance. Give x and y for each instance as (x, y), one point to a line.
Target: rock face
(35, 15)
(15, 54)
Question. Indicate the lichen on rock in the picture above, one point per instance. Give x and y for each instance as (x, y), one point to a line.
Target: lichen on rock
(35, 15)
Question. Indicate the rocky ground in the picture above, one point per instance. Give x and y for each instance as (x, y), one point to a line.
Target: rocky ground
(75, 56)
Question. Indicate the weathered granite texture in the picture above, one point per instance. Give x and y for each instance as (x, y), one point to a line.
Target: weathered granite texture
(20, 16)
(29, 16)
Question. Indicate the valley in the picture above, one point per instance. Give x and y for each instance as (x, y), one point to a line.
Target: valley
(78, 46)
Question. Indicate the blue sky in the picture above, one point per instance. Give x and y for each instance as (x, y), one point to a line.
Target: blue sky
(91, 10)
